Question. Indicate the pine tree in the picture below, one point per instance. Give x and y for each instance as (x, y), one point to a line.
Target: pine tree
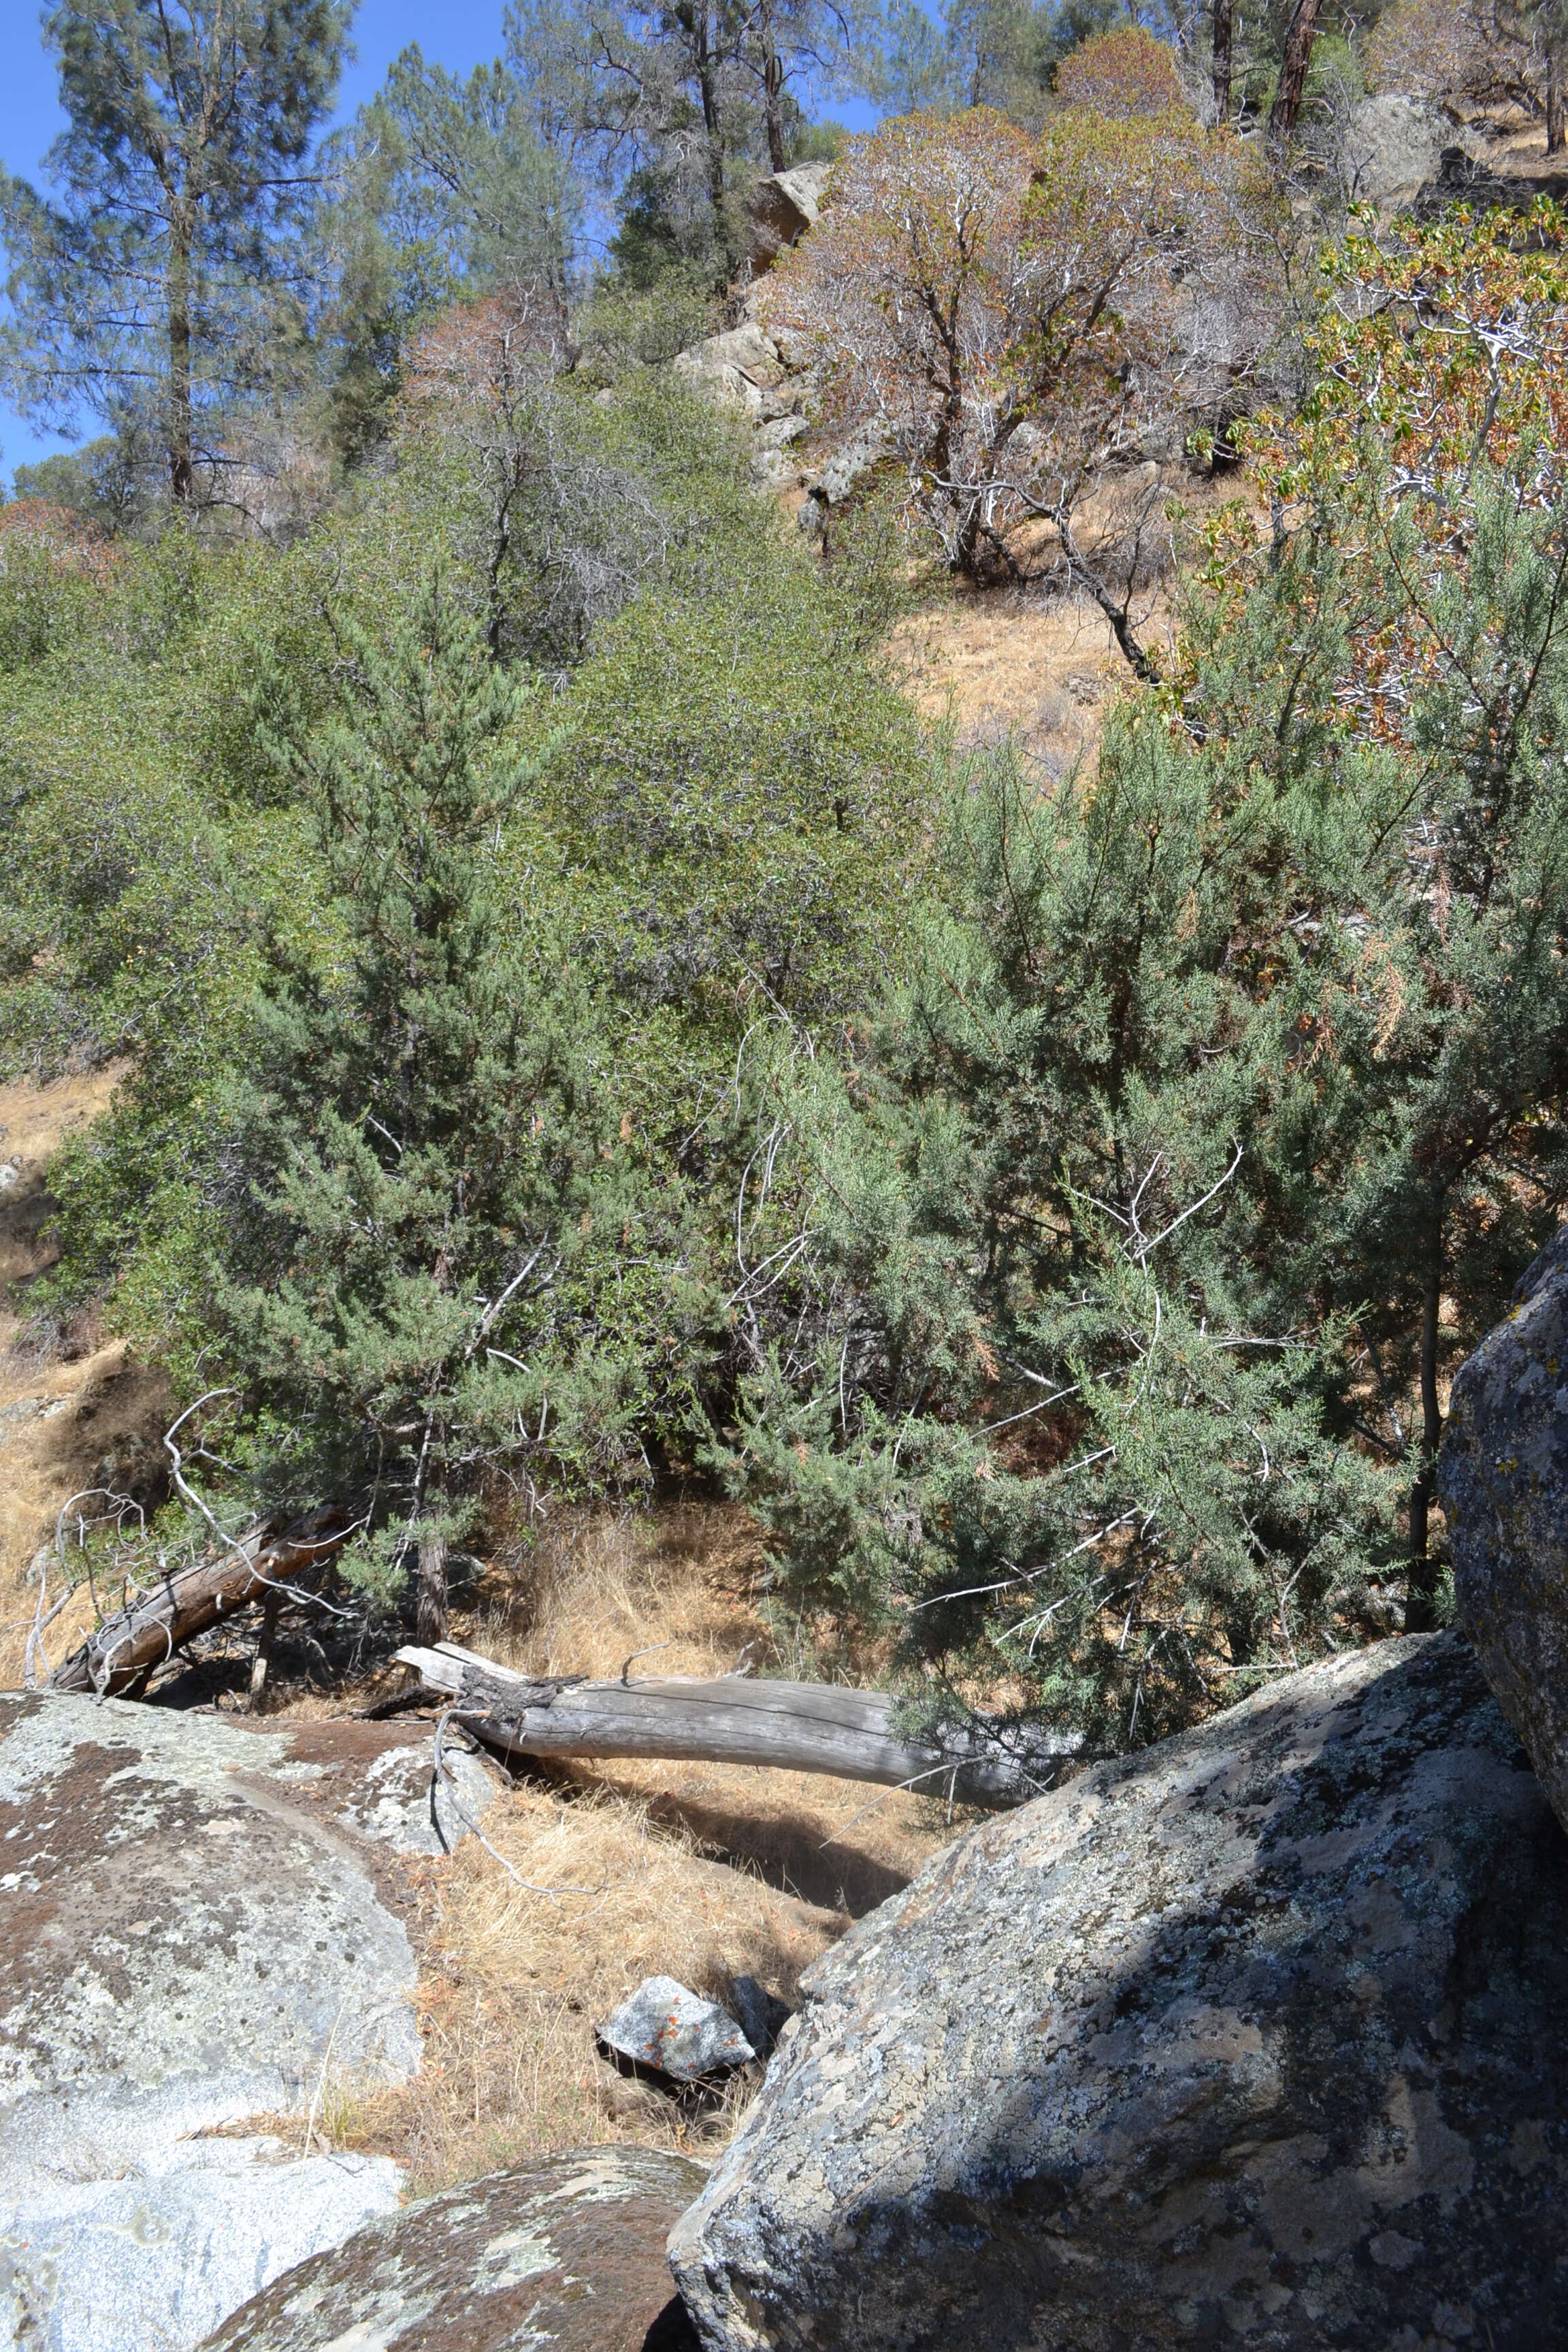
(150, 292)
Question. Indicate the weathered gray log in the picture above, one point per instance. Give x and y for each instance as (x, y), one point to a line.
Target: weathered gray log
(793, 1727)
(134, 1640)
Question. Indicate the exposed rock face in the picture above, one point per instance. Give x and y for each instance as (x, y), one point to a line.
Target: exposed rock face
(766, 373)
(1260, 2039)
(1503, 1477)
(567, 2253)
(1393, 145)
(741, 368)
(785, 205)
(375, 1781)
(191, 1930)
(665, 2025)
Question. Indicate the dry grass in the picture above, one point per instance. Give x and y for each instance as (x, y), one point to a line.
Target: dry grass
(68, 1418)
(992, 662)
(1000, 662)
(699, 1872)
(515, 1981)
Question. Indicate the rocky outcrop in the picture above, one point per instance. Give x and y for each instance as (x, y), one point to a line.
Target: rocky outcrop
(784, 206)
(741, 368)
(1392, 145)
(1259, 2038)
(768, 377)
(197, 1925)
(1503, 1479)
(568, 2253)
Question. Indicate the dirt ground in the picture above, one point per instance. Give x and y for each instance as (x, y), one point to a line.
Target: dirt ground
(75, 1412)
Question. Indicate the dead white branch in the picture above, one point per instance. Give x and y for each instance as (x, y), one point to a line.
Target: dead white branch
(736, 1719)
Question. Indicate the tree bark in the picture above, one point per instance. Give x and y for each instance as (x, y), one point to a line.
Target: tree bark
(180, 427)
(1224, 31)
(790, 1726)
(772, 90)
(1556, 114)
(712, 127)
(1293, 72)
(430, 1595)
(1422, 1579)
(136, 1639)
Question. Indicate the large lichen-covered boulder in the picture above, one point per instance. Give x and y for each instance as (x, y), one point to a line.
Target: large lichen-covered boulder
(567, 2252)
(784, 206)
(1503, 1478)
(196, 1925)
(1258, 2039)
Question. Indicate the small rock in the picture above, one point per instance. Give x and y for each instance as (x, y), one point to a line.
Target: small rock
(567, 2252)
(666, 2026)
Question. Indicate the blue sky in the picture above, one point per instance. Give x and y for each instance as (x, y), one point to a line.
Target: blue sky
(455, 33)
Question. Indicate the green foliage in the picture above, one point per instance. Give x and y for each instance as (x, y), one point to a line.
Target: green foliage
(422, 1200)
(1110, 1296)
(278, 813)
(105, 482)
(1048, 1408)
(625, 324)
(473, 201)
(816, 142)
(731, 789)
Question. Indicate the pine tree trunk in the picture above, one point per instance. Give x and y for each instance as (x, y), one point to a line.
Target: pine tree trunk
(1293, 72)
(179, 421)
(1224, 28)
(714, 130)
(1423, 1571)
(772, 90)
(430, 1593)
(1556, 115)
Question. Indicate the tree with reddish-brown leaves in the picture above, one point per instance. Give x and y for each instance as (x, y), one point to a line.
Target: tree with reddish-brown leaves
(1037, 326)
(1122, 75)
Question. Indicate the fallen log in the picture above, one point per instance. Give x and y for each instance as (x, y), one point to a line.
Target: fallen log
(793, 1727)
(136, 1639)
